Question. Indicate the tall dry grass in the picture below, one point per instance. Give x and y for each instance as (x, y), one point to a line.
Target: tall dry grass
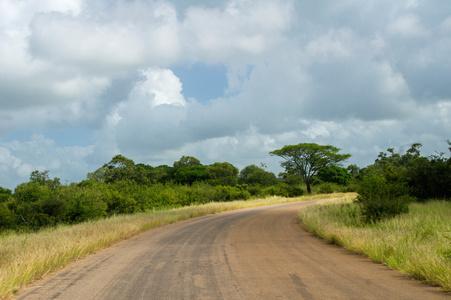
(28, 257)
(417, 243)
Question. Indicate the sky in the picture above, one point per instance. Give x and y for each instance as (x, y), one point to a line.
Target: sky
(223, 81)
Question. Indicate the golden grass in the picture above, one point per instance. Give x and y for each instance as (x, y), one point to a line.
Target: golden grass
(25, 258)
(417, 243)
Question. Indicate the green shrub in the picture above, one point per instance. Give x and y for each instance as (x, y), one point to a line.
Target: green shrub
(31, 192)
(379, 198)
(30, 215)
(200, 193)
(84, 203)
(30, 203)
(375, 209)
(131, 192)
(283, 190)
(230, 193)
(293, 190)
(118, 203)
(55, 208)
(162, 195)
(4, 194)
(8, 219)
(430, 178)
(334, 174)
(327, 188)
(255, 190)
(351, 187)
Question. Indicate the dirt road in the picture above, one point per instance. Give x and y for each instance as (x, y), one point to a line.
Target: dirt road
(257, 253)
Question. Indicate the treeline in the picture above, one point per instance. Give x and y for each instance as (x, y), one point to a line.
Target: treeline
(122, 187)
(387, 187)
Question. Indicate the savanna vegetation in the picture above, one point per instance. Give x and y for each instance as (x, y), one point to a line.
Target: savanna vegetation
(123, 187)
(395, 190)
(26, 257)
(401, 215)
(306, 160)
(120, 186)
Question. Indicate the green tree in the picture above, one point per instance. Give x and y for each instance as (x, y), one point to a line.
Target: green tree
(353, 170)
(222, 173)
(190, 174)
(429, 177)
(334, 174)
(306, 159)
(189, 170)
(4, 194)
(380, 197)
(39, 177)
(145, 171)
(85, 201)
(120, 168)
(187, 161)
(162, 174)
(27, 204)
(290, 179)
(253, 174)
(43, 178)
(8, 218)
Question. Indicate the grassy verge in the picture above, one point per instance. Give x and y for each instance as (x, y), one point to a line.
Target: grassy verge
(25, 258)
(417, 243)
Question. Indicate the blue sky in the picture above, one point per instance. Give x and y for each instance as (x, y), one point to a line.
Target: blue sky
(82, 81)
(202, 82)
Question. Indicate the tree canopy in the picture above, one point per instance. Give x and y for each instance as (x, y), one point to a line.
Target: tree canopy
(119, 168)
(305, 159)
(334, 174)
(190, 174)
(222, 173)
(253, 174)
(187, 161)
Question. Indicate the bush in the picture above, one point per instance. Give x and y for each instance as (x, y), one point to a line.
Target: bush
(254, 175)
(327, 188)
(28, 203)
(230, 193)
(334, 174)
(163, 196)
(4, 194)
(351, 187)
(55, 208)
(8, 219)
(330, 187)
(255, 190)
(31, 192)
(118, 203)
(293, 190)
(200, 193)
(284, 190)
(133, 196)
(430, 178)
(379, 199)
(84, 203)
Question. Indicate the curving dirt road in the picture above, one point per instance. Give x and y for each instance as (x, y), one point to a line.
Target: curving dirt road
(257, 253)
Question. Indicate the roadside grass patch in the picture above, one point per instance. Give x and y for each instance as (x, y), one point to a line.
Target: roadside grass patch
(417, 243)
(27, 257)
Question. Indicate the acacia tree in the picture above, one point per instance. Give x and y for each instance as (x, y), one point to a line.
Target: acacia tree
(306, 159)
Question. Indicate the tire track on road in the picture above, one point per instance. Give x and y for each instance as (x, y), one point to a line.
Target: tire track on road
(254, 253)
